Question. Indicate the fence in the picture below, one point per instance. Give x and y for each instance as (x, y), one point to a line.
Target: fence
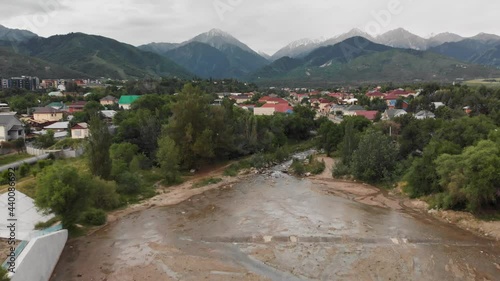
(59, 153)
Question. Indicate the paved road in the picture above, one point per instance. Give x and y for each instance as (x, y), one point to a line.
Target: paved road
(278, 228)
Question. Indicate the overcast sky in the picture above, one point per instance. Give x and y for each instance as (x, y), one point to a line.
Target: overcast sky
(264, 25)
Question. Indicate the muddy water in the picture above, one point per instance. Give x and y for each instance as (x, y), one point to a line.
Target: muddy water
(278, 228)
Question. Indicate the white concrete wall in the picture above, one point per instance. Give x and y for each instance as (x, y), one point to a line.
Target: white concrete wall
(264, 110)
(40, 257)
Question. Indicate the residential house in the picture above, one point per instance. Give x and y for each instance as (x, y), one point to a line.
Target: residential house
(370, 115)
(11, 128)
(56, 94)
(249, 107)
(351, 110)
(273, 100)
(438, 104)
(390, 114)
(301, 97)
(44, 114)
(425, 114)
(240, 98)
(4, 108)
(77, 106)
(271, 108)
(57, 135)
(126, 101)
(108, 115)
(108, 100)
(80, 131)
(375, 95)
(57, 127)
(391, 100)
(324, 105)
(57, 105)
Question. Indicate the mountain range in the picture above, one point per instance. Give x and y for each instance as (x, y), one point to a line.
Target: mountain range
(215, 54)
(355, 56)
(367, 62)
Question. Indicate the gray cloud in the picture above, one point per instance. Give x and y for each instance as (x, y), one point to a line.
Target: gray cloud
(263, 25)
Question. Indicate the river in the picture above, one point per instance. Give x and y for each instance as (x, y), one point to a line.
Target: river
(278, 227)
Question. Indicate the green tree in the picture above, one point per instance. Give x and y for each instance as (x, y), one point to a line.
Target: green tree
(61, 190)
(375, 158)
(103, 194)
(329, 137)
(98, 148)
(471, 177)
(422, 178)
(191, 115)
(47, 140)
(168, 156)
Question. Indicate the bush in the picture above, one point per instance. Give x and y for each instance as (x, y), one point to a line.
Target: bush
(281, 154)
(94, 217)
(24, 170)
(4, 177)
(298, 167)
(258, 161)
(235, 168)
(44, 163)
(103, 194)
(139, 162)
(128, 183)
(315, 167)
(340, 169)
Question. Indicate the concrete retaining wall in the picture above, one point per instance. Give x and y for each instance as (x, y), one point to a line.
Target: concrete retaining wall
(37, 152)
(66, 153)
(40, 257)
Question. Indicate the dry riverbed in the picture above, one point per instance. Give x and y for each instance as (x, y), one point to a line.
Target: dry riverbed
(277, 227)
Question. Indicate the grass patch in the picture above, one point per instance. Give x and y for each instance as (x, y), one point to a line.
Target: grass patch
(491, 82)
(234, 169)
(10, 158)
(206, 182)
(310, 166)
(315, 167)
(47, 224)
(25, 185)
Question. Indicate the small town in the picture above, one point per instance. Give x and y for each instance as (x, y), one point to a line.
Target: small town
(262, 141)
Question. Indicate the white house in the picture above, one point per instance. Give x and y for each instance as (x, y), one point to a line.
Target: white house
(80, 131)
(11, 128)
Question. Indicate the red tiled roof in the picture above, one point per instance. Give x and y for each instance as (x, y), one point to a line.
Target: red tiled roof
(370, 115)
(336, 95)
(391, 97)
(78, 104)
(273, 100)
(283, 108)
(399, 92)
(269, 105)
(374, 94)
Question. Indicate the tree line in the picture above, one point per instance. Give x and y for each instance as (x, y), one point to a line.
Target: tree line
(453, 160)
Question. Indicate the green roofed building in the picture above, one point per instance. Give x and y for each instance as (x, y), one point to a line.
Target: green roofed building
(126, 101)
